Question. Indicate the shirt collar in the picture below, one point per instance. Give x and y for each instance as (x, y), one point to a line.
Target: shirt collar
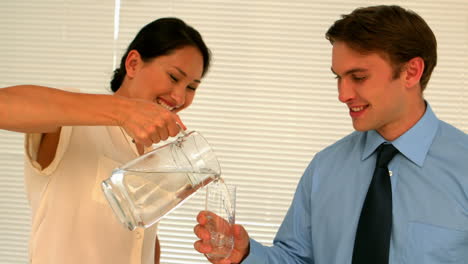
(413, 144)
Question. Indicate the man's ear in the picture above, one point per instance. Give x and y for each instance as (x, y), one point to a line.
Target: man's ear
(132, 62)
(413, 71)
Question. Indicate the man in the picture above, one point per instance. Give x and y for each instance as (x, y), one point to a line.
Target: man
(414, 207)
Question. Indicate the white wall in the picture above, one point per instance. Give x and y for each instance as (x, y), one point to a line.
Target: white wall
(267, 105)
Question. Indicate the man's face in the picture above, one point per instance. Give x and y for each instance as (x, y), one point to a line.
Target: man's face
(366, 85)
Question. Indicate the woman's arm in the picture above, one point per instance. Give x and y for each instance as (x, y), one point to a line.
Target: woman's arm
(30, 108)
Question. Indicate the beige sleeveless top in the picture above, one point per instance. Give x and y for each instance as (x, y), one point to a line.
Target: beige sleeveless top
(72, 222)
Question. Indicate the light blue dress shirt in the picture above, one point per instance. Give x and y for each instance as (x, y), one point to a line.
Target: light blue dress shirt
(429, 191)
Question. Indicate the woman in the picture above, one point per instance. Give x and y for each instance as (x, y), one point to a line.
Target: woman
(75, 140)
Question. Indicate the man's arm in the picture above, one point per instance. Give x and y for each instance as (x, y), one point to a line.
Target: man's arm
(292, 244)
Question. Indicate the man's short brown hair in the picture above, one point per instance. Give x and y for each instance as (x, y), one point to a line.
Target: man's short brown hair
(396, 33)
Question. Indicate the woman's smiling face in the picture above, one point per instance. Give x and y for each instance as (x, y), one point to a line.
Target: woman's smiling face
(169, 80)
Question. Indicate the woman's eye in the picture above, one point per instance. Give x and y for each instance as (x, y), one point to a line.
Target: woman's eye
(173, 78)
(192, 88)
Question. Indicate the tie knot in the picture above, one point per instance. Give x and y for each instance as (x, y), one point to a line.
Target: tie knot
(386, 152)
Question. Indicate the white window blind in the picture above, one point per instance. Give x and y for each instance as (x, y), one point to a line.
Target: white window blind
(267, 105)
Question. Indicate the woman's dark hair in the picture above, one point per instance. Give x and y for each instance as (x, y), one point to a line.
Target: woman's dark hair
(397, 33)
(161, 37)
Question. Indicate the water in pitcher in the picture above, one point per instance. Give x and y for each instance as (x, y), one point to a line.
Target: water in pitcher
(152, 195)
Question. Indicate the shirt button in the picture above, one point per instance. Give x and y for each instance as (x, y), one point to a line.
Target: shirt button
(138, 235)
(390, 173)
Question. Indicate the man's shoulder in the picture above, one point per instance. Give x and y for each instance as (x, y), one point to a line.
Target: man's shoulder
(452, 131)
(345, 145)
(451, 137)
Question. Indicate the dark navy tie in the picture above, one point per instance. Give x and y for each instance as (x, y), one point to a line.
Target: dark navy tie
(372, 243)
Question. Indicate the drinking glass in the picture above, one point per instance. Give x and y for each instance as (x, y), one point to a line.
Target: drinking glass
(221, 202)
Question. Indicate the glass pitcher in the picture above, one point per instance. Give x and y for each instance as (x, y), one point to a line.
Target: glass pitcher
(149, 187)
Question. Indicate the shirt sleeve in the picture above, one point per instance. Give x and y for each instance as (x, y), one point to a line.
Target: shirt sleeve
(36, 177)
(31, 147)
(32, 142)
(293, 242)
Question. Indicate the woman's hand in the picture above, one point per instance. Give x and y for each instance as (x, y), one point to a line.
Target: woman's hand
(148, 123)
